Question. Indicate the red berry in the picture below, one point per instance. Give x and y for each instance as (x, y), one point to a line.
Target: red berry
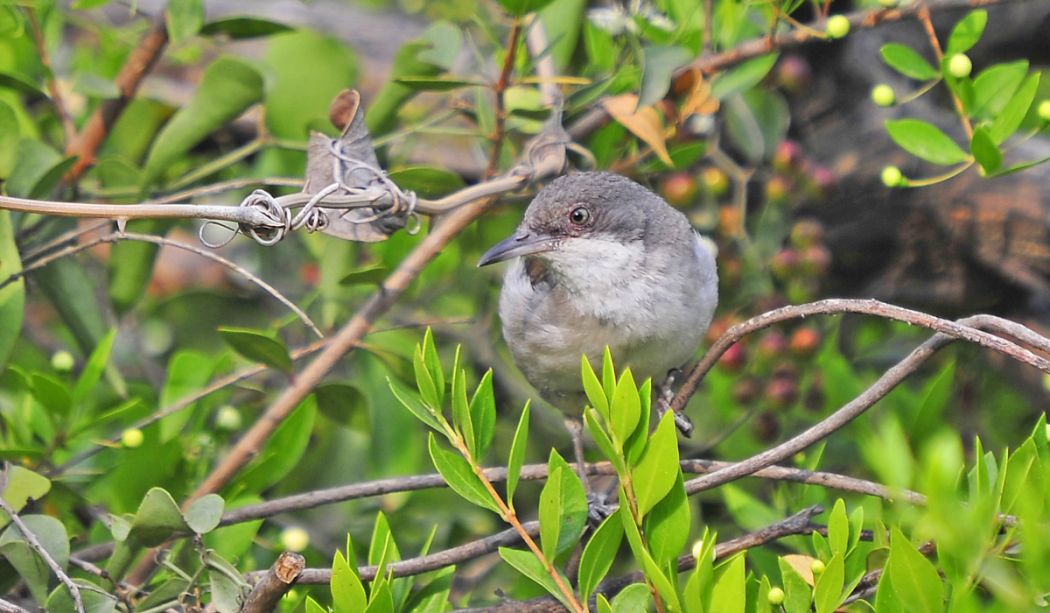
(772, 345)
(730, 221)
(679, 189)
(781, 392)
(787, 156)
(734, 358)
(805, 341)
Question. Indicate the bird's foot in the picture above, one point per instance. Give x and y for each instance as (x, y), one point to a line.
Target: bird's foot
(598, 508)
(663, 403)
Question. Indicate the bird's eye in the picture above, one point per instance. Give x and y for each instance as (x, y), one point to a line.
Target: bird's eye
(580, 216)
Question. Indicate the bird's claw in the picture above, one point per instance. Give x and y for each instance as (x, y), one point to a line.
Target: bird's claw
(598, 508)
(663, 404)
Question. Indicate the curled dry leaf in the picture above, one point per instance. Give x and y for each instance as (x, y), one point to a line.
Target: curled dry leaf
(645, 123)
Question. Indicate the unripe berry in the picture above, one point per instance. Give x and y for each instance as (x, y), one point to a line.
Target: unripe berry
(794, 74)
(837, 26)
(892, 176)
(775, 596)
(228, 418)
(784, 263)
(1044, 110)
(679, 189)
(715, 181)
(805, 233)
(62, 361)
(817, 567)
(294, 539)
(883, 95)
(132, 438)
(698, 550)
(815, 260)
(959, 66)
(777, 189)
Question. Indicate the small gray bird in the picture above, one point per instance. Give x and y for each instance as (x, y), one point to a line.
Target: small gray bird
(600, 260)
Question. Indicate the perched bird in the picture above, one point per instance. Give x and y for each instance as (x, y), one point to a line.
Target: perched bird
(601, 261)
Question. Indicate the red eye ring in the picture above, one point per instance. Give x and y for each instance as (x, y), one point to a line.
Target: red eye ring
(580, 216)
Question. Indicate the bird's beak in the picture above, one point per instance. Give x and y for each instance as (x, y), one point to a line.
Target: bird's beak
(519, 244)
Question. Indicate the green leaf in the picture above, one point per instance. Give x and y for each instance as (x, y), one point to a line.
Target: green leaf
(348, 593)
(92, 596)
(258, 346)
(652, 570)
(157, 519)
(37, 169)
(572, 502)
(1014, 112)
(658, 65)
(283, 450)
(185, 18)
(30, 567)
(433, 365)
(667, 525)
(411, 401)
(187, 371)
(51, 393)
(12, 295)
(626, 409)
(593, 388)
(599, 554)
(530, 566)
(438, 83)
(22, 84)
(20, 485)
(995, 86)
(838, 528)
(550, 513)
(227, 88)
(910, 582)
(483, 413)
(373, 274)
(926, 141)
(10, 133)
(243, 27)
(94, 367)
(828, 592)
(743, 77)
(204, 513)
(967, 32)
(631, 599)
(343, 403)
(985, 151)
(518, 8)
(517, 454)
(657, 470)
(461, 417)
(590, 417)
(459, 475)
(427, 181)
(729, 593)
(796, 591)
(908, 62)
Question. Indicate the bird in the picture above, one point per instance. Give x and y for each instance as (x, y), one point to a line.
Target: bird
(601, 261)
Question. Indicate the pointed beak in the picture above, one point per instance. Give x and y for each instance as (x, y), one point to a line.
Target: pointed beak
(519, 244)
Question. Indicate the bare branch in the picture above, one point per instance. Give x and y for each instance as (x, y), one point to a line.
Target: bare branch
(35, 544)
(9, 607)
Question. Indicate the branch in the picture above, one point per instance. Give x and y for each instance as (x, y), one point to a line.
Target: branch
(10, 607)
(139, 63)
(964, 329)
(69, 128)
(275, 583)
(35, 544)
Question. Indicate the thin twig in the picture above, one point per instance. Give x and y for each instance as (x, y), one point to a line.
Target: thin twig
(69, 128)
(938, 53)
(852, 409)
(35, 544)
(10, 607)
(136, 67)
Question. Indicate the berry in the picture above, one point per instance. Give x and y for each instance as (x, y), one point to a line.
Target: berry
(132, 438)
(805, 233)
(730, 221)
(794, 74)
(679, 189)
(784, 263)
(837, 26)
(715, 181)
(781, 392)
(817, 567)
(775, 596)
(804, 342)
(294, 539)
(892, 177)
(698, 549)
(959, 66)
(772, 345)
(62, 361)
(745, 391)
(787, 156)
(228, 418)
(823, 179)
(883, 95)
(734, 358)
(815, 260)
(1043, 110)
(777, 189)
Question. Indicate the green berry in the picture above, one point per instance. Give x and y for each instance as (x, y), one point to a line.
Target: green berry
(959, 66)
(775, 596)
(132, 438)
(295, 539)
(62, 361)
(1044, 110)
(228, 418)
(817, 567)
(698, 548)
(892, 177)
(837, 26)
(883, 95)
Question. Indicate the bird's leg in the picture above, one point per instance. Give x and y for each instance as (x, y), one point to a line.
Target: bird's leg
(597, 507)
(665, 393)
